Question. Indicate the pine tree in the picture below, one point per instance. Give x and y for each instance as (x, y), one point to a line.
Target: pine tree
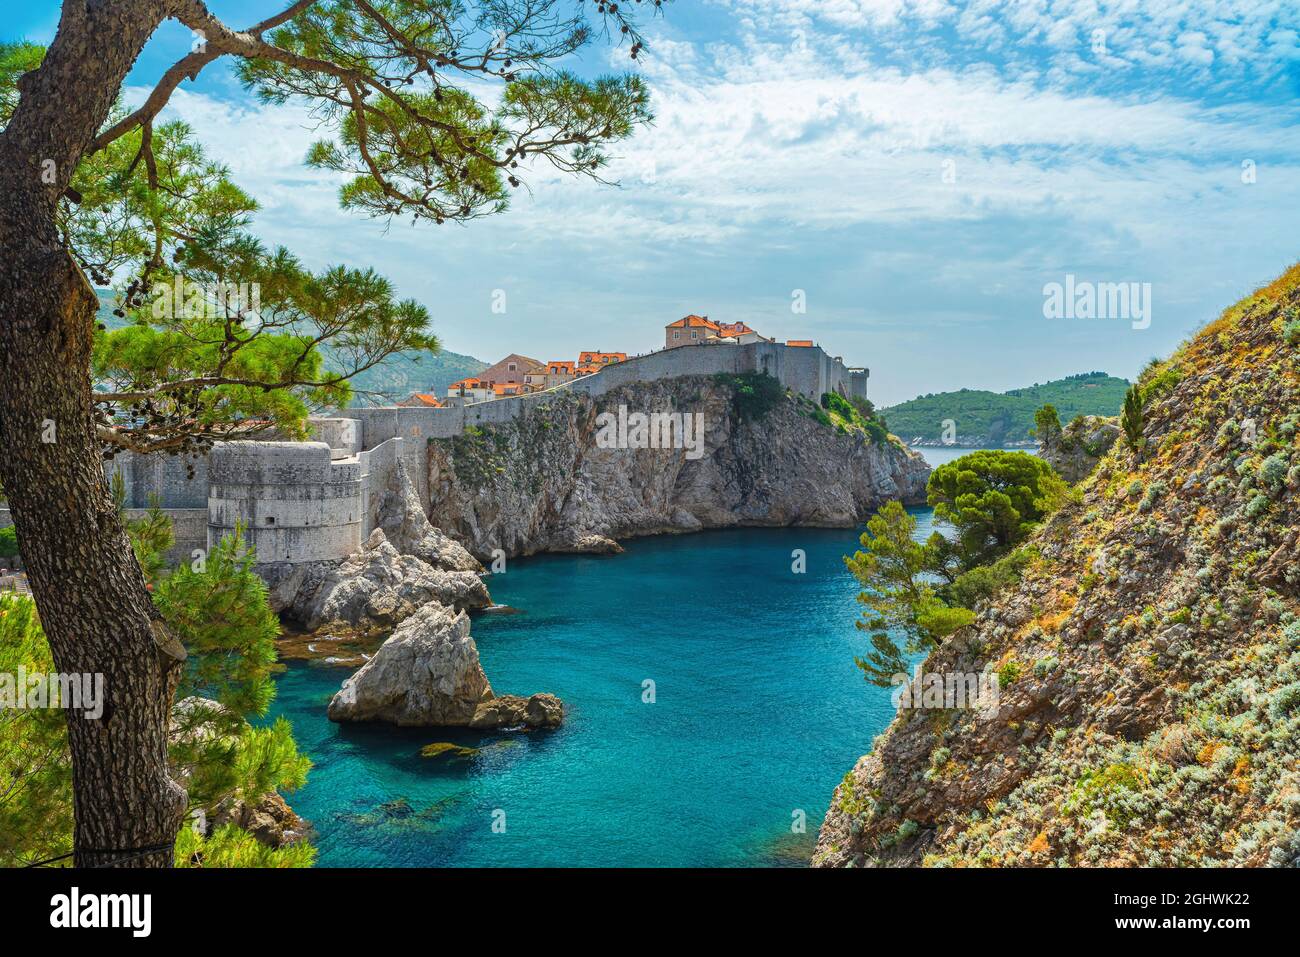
(1131, 420)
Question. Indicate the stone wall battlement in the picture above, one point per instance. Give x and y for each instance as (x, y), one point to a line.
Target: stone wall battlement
(319, 500)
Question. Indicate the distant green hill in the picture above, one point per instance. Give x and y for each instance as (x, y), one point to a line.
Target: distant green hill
(995, 418)
(396, 377)
(400, 375)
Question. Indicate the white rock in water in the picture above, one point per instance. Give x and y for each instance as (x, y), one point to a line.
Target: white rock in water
(426, 674)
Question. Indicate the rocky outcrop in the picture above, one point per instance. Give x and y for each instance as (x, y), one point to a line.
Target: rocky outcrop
(512, 711)
(408, 529)
(1075, 450)
(427, 674)
(1148, 657)
(542, 482)
(374, 590)
(269, 819)
(196, 721)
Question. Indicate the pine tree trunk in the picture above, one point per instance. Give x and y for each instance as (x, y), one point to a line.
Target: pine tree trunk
(89, 591)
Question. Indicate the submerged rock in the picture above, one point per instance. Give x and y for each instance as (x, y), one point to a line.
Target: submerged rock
(428, 675)
(442, 748)
(512, 711)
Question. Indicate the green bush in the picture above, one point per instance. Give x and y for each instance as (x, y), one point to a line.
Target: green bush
(993, 499)
(856, 414)
(8, 542)
(754, 394)
(985, 581)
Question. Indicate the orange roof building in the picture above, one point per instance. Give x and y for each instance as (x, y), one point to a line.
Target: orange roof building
(800, 342)
(600, 358)
(733, 330)
(421, 399)
(694, 330)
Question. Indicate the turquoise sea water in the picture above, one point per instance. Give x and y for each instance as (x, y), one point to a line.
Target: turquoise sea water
(758, 713)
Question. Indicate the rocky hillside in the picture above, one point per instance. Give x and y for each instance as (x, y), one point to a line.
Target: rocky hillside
(1075, 450)
(1149, 658)
(543, 483)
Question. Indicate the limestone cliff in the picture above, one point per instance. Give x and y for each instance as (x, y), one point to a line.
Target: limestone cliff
(544, 483)
(1149, 658)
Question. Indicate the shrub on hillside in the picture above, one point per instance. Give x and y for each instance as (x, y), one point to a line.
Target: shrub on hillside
(754, 394)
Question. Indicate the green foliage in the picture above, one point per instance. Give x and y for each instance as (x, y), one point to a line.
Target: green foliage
(15, 60)
(35, 766)
(1008, 416)
(916, 594)
(754, 394)
(898, 598)
(1106, 790)
(231, 846)
(983, 582)
(1131, 419)
(222, 615)
(220, 756)
(352, 312)
(151, 535)
(8, 542)
(171, 368)
(855, 416)
(435, 150)
(1161, 381)
(993, 499)
(1047, 423)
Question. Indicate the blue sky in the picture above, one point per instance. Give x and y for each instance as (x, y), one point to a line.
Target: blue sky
(802, 145)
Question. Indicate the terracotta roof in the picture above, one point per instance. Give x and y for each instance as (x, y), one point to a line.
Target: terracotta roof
(603, 358)
(425, 399)
(473, 382)
(799, 342)
(731, 329)
(560, 365)
(702, 322)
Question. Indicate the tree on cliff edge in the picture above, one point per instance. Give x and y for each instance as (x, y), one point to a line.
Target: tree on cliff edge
(382, 75)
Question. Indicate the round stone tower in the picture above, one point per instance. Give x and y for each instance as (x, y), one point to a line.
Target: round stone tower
(294, 503)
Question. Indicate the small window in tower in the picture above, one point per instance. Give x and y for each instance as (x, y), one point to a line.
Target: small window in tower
(270, 520)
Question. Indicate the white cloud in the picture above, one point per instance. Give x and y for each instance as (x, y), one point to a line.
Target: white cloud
(773, 165)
